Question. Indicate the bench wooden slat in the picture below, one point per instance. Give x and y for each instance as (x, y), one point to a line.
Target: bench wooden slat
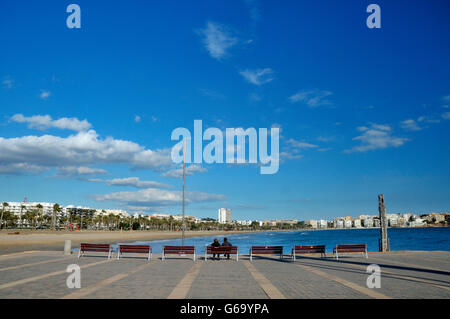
(222, 250)
(352, 248)
(271, 250)
(142, 249)
(94, 247)
(185, 250)
(308, 249)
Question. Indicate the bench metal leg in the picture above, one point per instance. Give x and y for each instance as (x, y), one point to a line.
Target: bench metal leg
(79, 253)
(194, 256)
(118, 254)
(163, 255)
(294, 256)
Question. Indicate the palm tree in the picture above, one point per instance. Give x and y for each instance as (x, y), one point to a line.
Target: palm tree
(39, 207)
(56, 208)
(21, 209)
(5, 204)
(103, 213)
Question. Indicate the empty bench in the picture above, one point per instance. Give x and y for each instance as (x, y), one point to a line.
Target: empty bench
(138, 249)
(105, 248)
(358, 248)
(232, 250)
(266, 250)
(311, 249)
(178, 250)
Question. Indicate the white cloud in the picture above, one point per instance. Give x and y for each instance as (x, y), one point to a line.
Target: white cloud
(20, 168)
(190, 170)
(135, 182)
(410, 125)
(312, 98)
(84, 148)
(217, 39)
(298, 144)
(212, 94)
(376, 137)
(8, 83)
(254, 97)
(290, 155)
(137, 118)
(80, 170)
(43, 122)
(255, 12)
(428, 119)
(44, 94)
(325, 139)
(446, 115)
(152, 197)
(258, 76)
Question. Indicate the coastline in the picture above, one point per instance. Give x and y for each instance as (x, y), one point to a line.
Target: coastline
(28, 240)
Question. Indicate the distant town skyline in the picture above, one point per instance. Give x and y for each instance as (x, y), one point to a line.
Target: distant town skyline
(87, 114)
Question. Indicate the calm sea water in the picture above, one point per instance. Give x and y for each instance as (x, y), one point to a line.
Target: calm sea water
(428, 239)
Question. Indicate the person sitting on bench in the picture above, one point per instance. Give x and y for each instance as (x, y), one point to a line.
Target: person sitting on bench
(226, 243)
(216, 244)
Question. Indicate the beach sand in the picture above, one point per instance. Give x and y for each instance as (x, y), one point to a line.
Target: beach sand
(28, 240)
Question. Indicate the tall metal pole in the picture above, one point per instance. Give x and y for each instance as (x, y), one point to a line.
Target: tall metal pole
(184, 185)
(384, 240)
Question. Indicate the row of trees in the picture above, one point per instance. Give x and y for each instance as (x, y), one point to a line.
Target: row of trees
(85, 219)
(30, 218)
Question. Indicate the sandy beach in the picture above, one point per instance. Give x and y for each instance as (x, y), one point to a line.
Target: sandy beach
(27, 240)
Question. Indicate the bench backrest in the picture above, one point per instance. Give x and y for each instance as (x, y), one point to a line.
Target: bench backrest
(356, 247)
(310, 249)
(221, 250)
(267, 249)
(135, 248)
(179, 249)
(95, 247)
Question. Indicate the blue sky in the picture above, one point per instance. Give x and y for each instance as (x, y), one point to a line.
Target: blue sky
(87, 114)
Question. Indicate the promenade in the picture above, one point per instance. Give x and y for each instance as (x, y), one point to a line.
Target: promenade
(409, 274)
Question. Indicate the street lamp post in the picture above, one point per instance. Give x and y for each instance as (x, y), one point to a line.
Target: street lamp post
(183, 226)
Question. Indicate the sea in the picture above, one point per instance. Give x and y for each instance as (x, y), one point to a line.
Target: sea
(426, 239)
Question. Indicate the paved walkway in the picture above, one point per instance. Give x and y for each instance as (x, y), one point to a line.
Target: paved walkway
(403, 275)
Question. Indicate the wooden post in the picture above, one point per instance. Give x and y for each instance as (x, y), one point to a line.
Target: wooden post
(384, 240)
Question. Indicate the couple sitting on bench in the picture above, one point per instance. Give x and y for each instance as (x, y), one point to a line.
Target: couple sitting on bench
(225, 243)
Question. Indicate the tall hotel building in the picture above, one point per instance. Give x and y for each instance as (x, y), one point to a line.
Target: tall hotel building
(224, 215)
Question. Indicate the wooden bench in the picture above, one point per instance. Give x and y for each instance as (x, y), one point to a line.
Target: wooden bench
(312, 249)
(106, 248)
(358, 248)
(139, 249)
(232, 250)
(179, 250)
(266, 250)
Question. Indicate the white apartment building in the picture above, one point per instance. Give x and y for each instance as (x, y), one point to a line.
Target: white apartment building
(243, 222)
(22, 207)
(357, 223)
(347, 223)
(338, 223)
(312, 223)
(322, 223)
(368, 222)
(224, 215)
